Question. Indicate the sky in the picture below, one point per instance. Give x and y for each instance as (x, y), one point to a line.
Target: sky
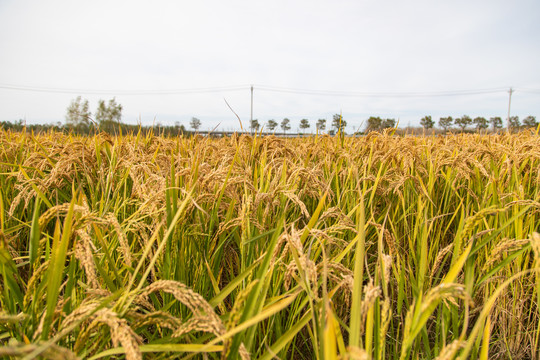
(169, 61)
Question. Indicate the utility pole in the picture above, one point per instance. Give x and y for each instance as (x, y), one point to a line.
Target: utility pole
(509, 103)
(251, 119)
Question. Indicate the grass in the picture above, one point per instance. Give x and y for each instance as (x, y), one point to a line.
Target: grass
(259, 247)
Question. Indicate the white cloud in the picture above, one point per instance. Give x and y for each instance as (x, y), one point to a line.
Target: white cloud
(333, 45)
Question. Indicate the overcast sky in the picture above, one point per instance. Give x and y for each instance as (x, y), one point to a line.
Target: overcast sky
(364, 51)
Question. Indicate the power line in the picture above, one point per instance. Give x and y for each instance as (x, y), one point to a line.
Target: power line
(528, 91)
(382, 94)
(122, 92)
(370, 94)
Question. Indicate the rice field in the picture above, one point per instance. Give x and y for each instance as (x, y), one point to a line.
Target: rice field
(381, 247)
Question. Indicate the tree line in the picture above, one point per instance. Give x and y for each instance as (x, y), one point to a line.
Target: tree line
(338, 124)
(108, 118)
(375, 123)
(479, 123)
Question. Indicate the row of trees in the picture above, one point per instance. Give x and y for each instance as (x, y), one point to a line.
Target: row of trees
(378, 124)
(166, 130)
(427, 122)
(338, 123)
(480, 123)
(108, 118)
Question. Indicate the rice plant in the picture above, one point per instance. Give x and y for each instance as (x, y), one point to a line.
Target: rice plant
(381, 247)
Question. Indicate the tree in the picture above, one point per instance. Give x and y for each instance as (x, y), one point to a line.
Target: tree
(304, 124)
(446, 122)
(496, 123)
(272, 125)
(388, 123)
(463, 122)
(108, 116)
(254, 125)
(338, 123)
(321, 125)
(514, 122)
(195, 123)
(109, 113)
(427, 122)
(481, 123)
(530, 122)
(374, 124)
(78, 114)
(286, 124)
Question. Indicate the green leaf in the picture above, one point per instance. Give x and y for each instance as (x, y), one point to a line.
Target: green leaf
(56, 267)
(356, 303)
(35, 234)
(287, 337)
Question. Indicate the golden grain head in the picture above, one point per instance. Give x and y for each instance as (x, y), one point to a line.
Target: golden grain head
(449, 351)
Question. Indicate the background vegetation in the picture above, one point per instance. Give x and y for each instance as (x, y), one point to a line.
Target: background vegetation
(108, 118)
